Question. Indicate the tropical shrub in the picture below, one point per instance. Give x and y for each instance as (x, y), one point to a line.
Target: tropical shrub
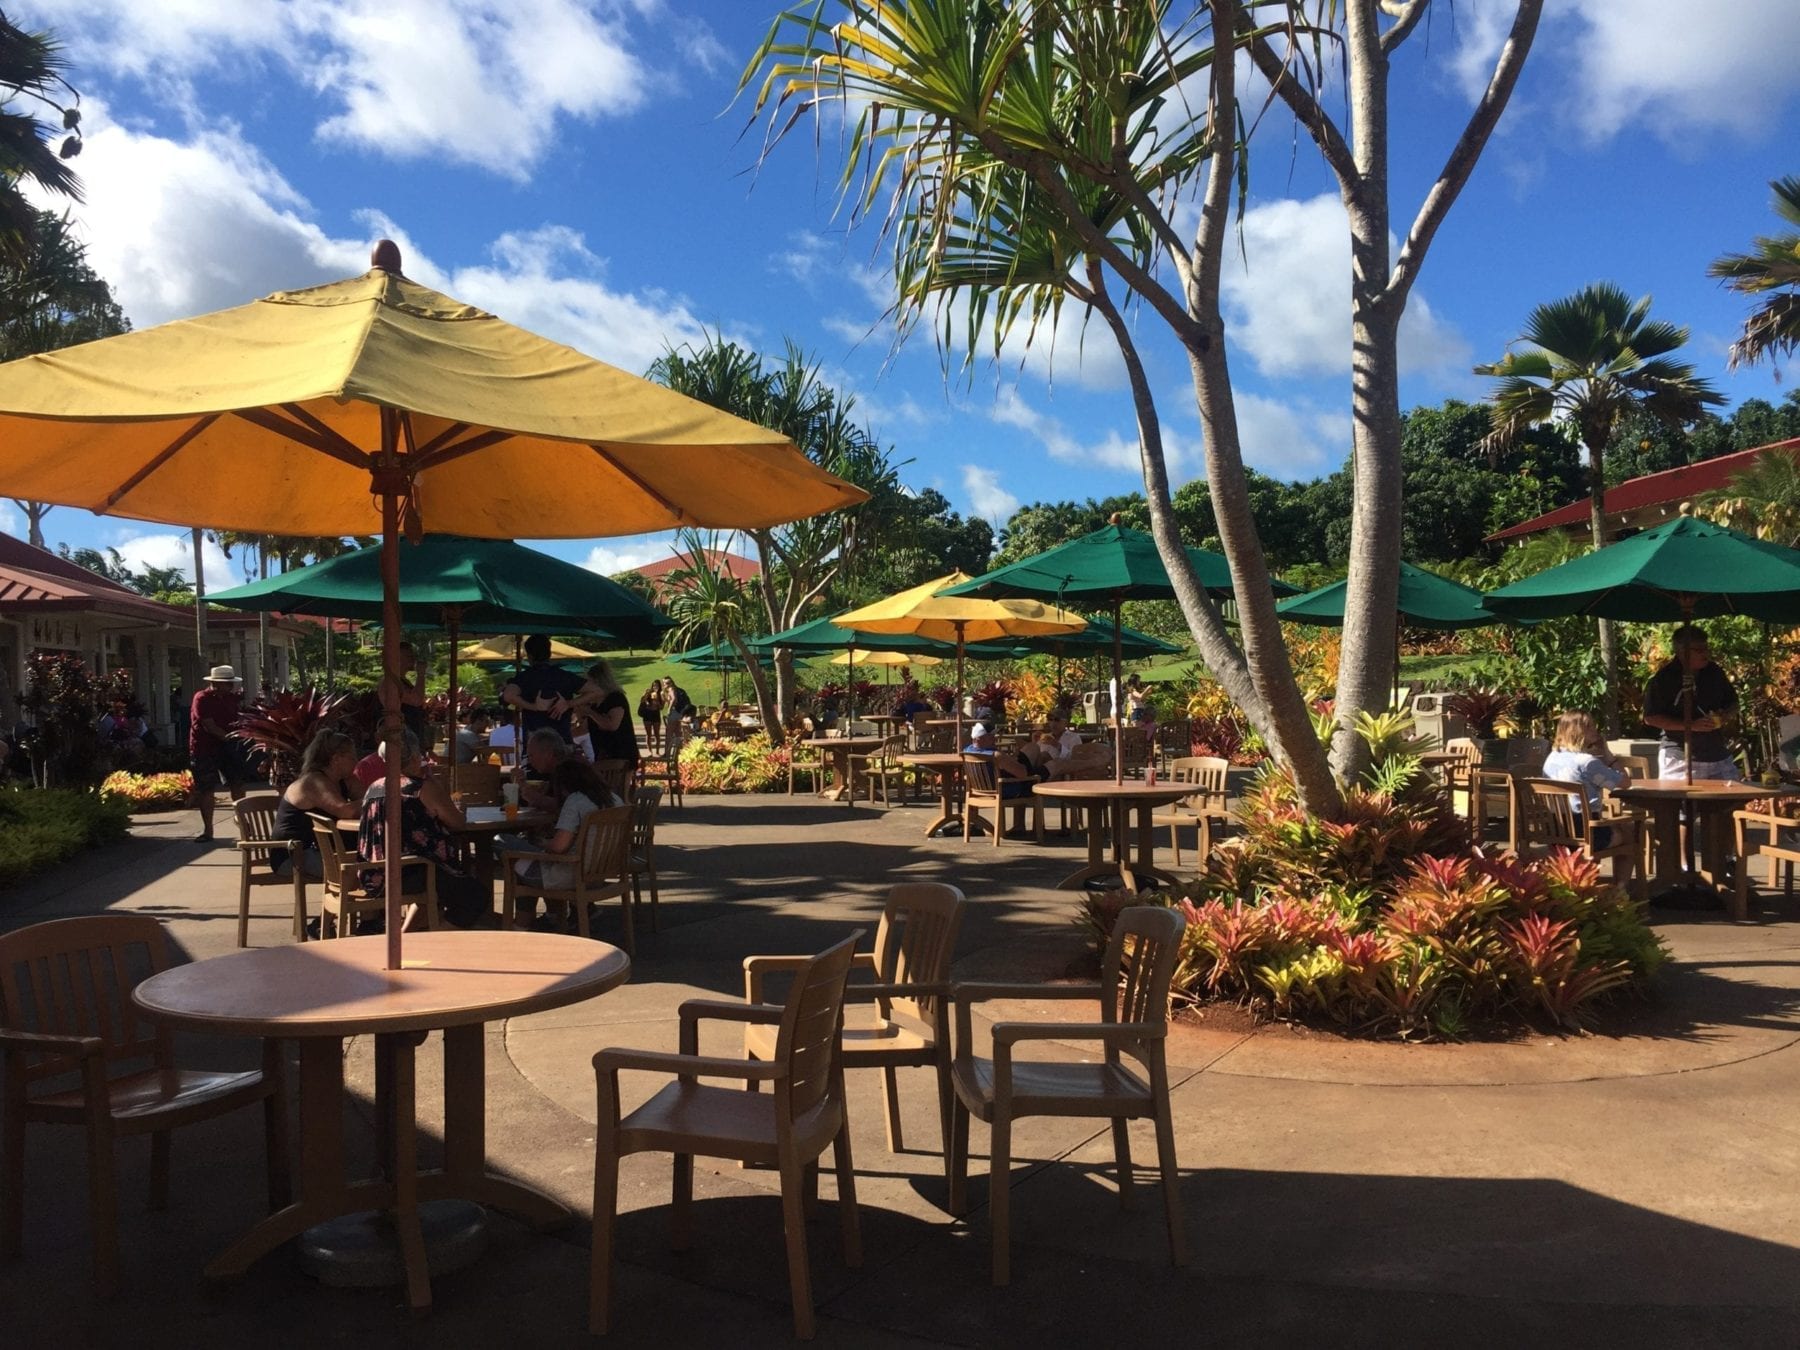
(1385, 922)
(1483, 709)
(750, 765)
(62, 701)
(42, 827)
(148, 791)
(281, 725)
(945, 698)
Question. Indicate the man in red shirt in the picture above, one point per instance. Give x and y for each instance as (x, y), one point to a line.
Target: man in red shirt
(210, 755)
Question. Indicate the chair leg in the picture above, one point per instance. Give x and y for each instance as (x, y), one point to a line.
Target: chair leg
(1122, 1159)
(946, 1101)
(1000, 1195)
(103, 1204)
(681, 1204)
(630, 934)
(846, 1181)
(244, 900)
(12, 1171)
(1171, 1177)
(159, 1170)
(959, 1158)
(600, 1262)
(275, 1127)
(655, 896)
(793, 1222)
(300, 914)
(1175, 842)
(890, 1098)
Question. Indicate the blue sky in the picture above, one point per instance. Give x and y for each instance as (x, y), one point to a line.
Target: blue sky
(577, 168)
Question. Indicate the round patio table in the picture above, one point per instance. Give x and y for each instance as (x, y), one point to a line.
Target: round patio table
(1119, 799)
(947, 767)
(1710, 803)
(839, 749)
(320, 993)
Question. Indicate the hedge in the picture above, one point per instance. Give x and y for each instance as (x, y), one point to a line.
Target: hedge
(44, 826)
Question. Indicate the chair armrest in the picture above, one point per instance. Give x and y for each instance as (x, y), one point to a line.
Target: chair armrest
(687, 1066)
(723, 1010)
(523, 855)
(45, 1043)
(755, 967)
(254, 845)
(1006, 1033)
(867, 993)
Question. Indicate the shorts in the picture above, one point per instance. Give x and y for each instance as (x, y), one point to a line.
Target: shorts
(1673, 764)
(211, 768)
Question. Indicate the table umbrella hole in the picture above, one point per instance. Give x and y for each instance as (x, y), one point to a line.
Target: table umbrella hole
(360, 1251)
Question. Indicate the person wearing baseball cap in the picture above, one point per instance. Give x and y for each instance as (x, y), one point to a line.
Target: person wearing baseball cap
(210, 754)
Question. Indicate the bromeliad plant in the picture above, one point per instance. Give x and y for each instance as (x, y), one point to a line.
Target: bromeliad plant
(283, 723)
(945, 698)
(1483, 709)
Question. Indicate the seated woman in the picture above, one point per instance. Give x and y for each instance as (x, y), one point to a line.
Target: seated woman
(327, 786)
(1578, 756)
(575, 792)
(427, 815)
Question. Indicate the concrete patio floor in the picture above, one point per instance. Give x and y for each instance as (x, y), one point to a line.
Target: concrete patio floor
(1606, 1189)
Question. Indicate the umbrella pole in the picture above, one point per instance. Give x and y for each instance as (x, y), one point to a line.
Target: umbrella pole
(518, 712)
(391, 723)
(1118, 688)
(455, 617)
(959, 685)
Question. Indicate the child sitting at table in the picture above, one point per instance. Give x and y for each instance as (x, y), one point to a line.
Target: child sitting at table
(1578, 756)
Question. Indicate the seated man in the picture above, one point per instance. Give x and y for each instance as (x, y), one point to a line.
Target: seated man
(1012, 772)
(544, 750)
(471, 737)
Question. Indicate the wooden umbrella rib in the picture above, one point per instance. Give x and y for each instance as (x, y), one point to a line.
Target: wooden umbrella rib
(681, 517)
(428, 458)
(330, 444)
(437, 442)
(325, 433)
(157, 460)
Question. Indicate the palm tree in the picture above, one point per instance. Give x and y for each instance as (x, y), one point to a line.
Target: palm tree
(1763, 499)
(31, 73)
(1773, 328)
(713, 605)
(1586, 361)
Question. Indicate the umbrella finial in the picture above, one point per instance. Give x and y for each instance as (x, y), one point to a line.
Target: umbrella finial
(1114, 519)
(1686, 508)
(386, 256)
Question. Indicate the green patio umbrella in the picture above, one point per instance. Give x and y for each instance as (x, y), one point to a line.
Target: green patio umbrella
(1102, 570)
(1426, 600)
(462, 585)
(1676, 572)
(824, 635)
(722, 661)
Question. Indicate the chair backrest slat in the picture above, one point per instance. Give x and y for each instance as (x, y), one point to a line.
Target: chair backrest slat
(603, 846)
(643, 821)
(73, 977)
(255, 815)
(808, 1044)
(1549, 812)
(978, 775)
(479, 784)
(1139, 967)
(916, 940)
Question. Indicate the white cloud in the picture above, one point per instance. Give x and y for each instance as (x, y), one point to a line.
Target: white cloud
(1114, 451)
(987, 498)
(627, 555)
(11, 522)
(1290, 438)
(176, 550)
(1287, 296)
(482, 82)
(182, 227)
(1668, 66)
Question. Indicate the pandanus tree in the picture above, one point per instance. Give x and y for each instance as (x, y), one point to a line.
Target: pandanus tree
(709, 604)
(1770, 272)
(1587, 361)
(1035, 153)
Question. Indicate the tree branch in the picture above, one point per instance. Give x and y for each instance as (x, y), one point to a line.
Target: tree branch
(1306, 109)
(1467, 150)
(1407, 14)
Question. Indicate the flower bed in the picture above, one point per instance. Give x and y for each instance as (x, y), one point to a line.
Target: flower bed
(749, 765)
(148, 791)
(1386, 923)
(40, 828)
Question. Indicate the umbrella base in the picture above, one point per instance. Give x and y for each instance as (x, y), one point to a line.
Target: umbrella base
(361, 1251)
(1692, 893)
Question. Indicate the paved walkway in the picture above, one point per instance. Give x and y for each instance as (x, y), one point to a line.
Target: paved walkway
(1605, 1189)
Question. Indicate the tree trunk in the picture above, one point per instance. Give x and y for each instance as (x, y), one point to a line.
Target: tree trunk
(1609, 638)
(34, 520)
(765, 703)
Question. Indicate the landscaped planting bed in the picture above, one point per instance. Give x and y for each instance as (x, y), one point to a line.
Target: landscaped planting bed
(41, 827)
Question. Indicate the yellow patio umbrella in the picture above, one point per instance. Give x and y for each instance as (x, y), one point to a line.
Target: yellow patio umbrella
(961, 619)
(376, 405)
(491, 650)
(859, 657)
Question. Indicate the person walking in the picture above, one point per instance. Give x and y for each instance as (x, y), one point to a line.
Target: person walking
(212, 758)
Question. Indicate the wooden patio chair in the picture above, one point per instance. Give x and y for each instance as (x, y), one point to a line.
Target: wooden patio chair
(641, 860)
(619, 777)
(345, 894)
(600, 856)
(1548, 820)
(1202, 807)
(787, 1129)
(66, 1013)
(1778, 858)
(256, 846)
(883, 771)
(915, 942)
(805, 759)
(981, 792)
(1134, 1022)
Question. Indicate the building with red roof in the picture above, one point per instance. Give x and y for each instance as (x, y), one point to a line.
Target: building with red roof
(1639, 503)
(715, 560)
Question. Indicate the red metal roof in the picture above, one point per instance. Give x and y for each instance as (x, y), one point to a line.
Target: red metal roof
(1652, 490)
(24, 590)
(715, 560)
